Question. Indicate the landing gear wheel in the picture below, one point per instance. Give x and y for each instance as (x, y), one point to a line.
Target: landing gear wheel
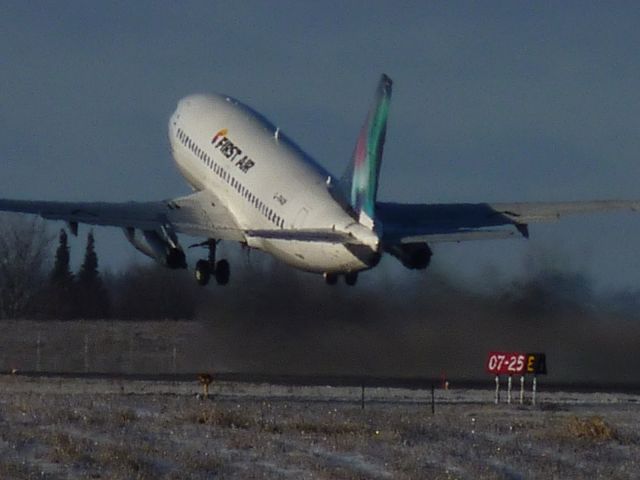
(202, 272)
(330, 278)
(222, 272)
(351, 278)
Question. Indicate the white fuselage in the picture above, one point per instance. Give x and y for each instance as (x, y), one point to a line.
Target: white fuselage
(265, 181)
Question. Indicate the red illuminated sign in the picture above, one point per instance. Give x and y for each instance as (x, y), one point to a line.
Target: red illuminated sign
(515, 363)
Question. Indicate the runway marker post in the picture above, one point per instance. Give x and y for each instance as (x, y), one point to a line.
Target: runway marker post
(205, 380)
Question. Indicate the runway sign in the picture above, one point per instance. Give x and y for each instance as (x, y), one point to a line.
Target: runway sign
(516, 363)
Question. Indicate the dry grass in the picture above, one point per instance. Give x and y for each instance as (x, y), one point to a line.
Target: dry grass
(224, 418)
(125, 461)
(591, 428)
(69, 450)
(319, 427)
(170, 435)
(15, 469)
(127, 416)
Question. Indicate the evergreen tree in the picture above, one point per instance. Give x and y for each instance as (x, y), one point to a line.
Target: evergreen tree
(88, 274)
(93, 299)
(59, 301)
(61, 274)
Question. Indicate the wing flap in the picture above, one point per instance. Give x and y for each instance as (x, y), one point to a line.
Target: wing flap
(305, 235)
(461, 236)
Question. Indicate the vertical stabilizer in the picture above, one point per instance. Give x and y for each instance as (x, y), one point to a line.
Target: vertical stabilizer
(360, 181)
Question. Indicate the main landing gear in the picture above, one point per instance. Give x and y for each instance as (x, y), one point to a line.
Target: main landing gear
(206, 268)
(350, 278)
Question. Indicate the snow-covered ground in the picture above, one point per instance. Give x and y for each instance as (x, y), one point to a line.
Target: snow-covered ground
(110, 428)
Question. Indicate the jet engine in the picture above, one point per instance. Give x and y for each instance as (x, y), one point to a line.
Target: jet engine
(161, 245)
(415, 256)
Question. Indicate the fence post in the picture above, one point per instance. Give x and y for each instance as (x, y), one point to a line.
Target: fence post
(38, 353)
(86, 353)
(433, 400)
(173, 359)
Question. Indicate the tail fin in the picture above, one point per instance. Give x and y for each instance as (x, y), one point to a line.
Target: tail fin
(360, 180)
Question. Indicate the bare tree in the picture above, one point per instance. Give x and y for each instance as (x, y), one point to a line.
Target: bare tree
(24, 249)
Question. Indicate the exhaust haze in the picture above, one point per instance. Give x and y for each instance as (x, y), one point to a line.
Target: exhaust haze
(272, 319)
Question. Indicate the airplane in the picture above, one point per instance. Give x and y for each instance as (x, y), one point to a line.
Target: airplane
(254, 185)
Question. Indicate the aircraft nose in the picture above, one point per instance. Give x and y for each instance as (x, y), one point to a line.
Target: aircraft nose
(173, 120)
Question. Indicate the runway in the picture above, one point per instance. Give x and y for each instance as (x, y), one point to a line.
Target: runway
(407, 383)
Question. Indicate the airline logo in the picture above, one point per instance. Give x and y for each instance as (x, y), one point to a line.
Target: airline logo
(221, 133)
(230, 150)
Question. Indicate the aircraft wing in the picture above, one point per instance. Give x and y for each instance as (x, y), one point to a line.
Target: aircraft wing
(408, 223)
(550, 211)
(198, 214)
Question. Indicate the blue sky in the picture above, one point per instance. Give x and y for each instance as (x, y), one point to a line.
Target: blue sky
(493, 101)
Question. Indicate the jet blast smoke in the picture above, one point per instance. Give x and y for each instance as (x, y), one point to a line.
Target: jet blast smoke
(275, 320)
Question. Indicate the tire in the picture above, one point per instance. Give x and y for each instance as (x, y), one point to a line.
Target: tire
(330, 278)
(223, 272)
(202, 272)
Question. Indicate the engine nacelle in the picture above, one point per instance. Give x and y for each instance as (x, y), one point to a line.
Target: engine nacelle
(157, 245)
(415, 256)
